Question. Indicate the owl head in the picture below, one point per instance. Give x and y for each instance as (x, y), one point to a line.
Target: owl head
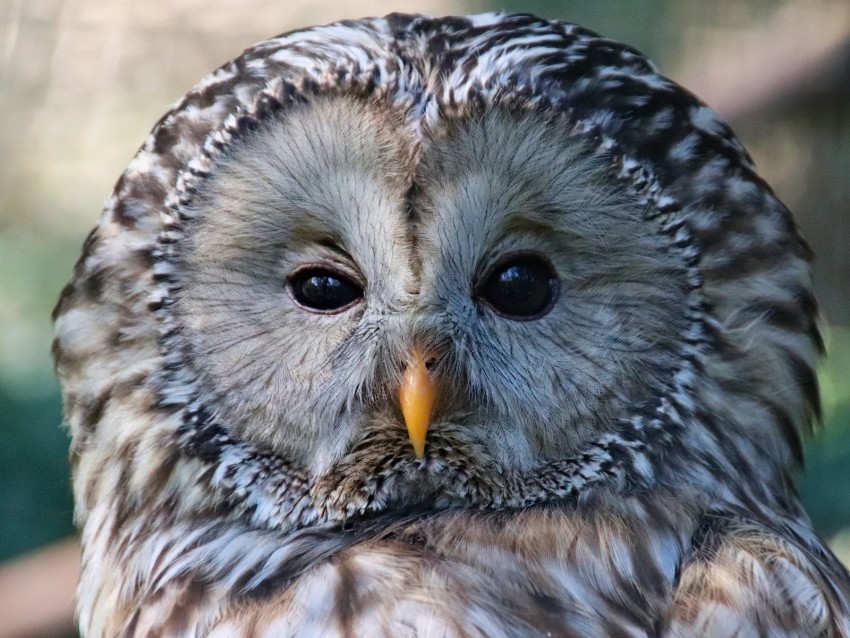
(485, 261)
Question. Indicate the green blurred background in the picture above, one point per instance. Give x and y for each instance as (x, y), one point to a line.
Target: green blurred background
(82, 81)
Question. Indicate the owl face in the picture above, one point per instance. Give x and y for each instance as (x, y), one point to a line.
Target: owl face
(569, 256)
(338, 241)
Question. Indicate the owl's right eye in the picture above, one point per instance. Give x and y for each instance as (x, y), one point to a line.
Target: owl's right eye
(321, 289)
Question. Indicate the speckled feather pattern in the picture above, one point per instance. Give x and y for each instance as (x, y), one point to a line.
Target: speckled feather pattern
(677, 518)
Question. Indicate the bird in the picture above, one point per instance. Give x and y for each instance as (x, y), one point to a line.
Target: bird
(461, 326)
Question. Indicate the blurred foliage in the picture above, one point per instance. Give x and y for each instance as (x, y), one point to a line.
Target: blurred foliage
(79, 88)
(35, 493)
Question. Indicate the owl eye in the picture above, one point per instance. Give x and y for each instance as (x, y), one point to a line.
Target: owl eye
(324, 290)
(521, 287)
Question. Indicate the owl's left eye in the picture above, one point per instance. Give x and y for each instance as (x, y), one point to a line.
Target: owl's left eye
(522, 287)
(324, 290)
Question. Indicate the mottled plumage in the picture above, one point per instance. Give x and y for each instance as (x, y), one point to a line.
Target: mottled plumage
(614, 459)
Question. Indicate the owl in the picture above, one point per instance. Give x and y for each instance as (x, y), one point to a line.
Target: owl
(469, 326)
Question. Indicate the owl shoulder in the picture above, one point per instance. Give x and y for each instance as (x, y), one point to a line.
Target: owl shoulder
(746, 577)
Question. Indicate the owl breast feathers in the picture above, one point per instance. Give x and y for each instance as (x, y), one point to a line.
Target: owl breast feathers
(443, 327)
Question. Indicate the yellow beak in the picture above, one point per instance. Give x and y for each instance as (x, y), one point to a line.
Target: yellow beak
(416, 395)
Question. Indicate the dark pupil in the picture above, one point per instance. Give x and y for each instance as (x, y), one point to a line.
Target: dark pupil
(323, 290)
(522, 288)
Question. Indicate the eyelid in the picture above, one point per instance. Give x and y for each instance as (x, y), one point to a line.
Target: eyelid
(340, 266)
(494, 265)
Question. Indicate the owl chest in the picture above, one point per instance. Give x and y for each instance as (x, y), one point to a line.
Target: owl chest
(531, 578)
